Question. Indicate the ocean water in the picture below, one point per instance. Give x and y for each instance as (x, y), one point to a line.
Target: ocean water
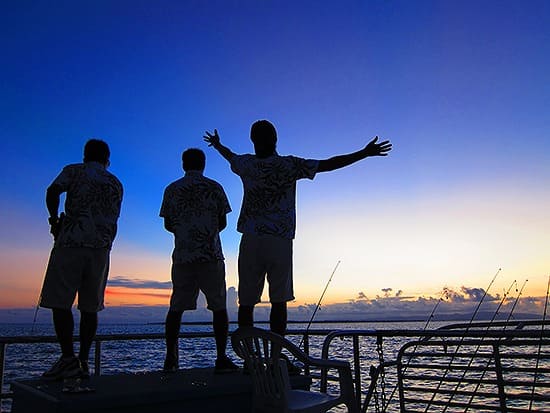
(28, 360)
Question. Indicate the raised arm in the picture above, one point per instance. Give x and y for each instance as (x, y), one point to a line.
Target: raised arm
(214, 141)
(340, 161)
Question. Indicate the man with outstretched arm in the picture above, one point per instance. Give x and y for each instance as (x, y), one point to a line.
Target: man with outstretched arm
(267, 219)
(79, 261)
(194, 209)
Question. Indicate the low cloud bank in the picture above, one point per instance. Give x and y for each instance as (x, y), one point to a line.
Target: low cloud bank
(463, 304)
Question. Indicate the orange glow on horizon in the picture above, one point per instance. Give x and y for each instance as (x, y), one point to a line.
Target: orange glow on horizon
(121, 296)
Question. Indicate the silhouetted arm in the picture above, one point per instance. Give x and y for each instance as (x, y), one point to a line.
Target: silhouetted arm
(52, 200)
(340, 161)
(214, 141)
(53, 194)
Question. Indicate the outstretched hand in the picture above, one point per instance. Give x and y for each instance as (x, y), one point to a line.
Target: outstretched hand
(378, 149)
(212, 139)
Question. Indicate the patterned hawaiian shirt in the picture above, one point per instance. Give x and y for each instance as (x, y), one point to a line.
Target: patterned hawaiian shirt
(92, 205)
(269, 201)
(193, 206)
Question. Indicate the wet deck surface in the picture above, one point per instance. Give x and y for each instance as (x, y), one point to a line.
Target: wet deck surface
(190, 390)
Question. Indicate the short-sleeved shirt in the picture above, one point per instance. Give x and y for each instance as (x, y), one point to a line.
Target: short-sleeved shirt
(193, 205)
(92, 205)
(269, 201)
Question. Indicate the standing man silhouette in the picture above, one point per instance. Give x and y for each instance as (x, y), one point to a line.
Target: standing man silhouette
(267, 219)
(79, 261)
(194, 209)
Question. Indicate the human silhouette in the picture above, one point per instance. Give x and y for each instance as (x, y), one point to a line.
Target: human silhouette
(79, 260)
(267, 218)
(194, 209)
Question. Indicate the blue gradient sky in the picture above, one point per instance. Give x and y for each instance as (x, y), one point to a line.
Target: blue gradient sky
(461, 88)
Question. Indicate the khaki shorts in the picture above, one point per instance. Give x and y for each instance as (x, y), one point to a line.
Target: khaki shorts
(188, 279)
(76, 270)
(262, 256)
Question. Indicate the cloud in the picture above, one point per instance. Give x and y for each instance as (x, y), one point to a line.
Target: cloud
(126, 282)
(465, 304)
(387, 291)
(361, 296)
(467, 294)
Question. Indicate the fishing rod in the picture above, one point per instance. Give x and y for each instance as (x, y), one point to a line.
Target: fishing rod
(540, 345)
(514, 305)
(55, 232)
(318, 304)
(462, 339)
(444, 295)
(504, 329)
(504, 298)
(36, 313)
(37, 308)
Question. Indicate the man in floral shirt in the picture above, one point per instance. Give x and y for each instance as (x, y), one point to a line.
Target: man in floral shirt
(194, 209)
(268, 215)
(79, 261)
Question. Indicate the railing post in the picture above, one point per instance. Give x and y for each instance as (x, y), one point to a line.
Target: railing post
(500, 379)
(306, 350)
(97, 358)
(2, 359)
(357, 369)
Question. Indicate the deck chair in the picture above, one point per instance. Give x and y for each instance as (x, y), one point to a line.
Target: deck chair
(261, 352)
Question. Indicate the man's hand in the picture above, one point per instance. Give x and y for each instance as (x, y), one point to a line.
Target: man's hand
(377, 149)
(212, 140)
(55, 225)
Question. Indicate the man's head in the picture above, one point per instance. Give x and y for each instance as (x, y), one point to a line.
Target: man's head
(97, 150)
(193, 159)
(264, 137)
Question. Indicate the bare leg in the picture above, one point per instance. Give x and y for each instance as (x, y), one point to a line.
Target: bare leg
(88, 329)
(64, 326)
(220, 323)
(246, 316)
(171, 331)
(278, 318)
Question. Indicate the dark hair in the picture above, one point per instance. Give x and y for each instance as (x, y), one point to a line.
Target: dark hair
(193, 160)
(263, 130)
(97, 150)
(264, 136)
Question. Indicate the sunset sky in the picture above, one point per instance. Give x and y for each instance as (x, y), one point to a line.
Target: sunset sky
(461, 88)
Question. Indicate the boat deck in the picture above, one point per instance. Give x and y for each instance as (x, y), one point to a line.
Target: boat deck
(189, 390)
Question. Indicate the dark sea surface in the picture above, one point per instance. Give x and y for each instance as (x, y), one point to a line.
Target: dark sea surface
(29, 360)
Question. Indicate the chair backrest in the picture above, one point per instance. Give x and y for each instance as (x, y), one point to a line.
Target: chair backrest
(261, 351)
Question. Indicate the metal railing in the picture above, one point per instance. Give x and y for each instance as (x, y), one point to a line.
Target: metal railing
(387, 344)
(104, 338)
(477, 374)
(380, 351)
